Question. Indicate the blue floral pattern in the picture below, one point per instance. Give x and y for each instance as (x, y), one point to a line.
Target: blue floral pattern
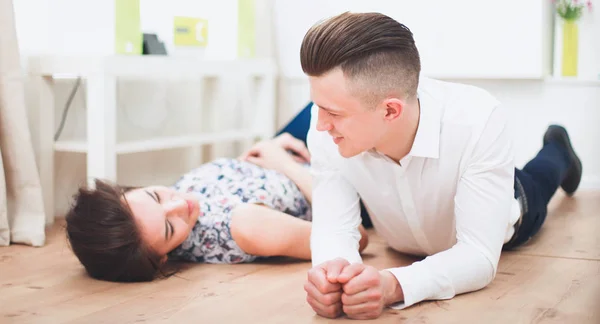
(220, 186)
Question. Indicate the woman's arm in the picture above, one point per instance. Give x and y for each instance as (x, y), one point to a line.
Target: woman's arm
(260, 230)
(301, 176)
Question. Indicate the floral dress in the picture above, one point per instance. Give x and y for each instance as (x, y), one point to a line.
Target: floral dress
(220, 186)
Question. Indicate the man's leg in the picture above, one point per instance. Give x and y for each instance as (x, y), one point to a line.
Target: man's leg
(556, 164)
(298, 127)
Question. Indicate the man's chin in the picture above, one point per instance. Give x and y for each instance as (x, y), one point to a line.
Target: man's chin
(346, 153)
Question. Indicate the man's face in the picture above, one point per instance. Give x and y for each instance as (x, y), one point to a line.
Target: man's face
(352, 126)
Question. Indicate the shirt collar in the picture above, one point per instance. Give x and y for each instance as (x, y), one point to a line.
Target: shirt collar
(427, 139)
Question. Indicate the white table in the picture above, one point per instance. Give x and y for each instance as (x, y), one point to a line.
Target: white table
(101, 74)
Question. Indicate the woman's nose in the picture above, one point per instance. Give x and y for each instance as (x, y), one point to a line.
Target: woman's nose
(176, 206)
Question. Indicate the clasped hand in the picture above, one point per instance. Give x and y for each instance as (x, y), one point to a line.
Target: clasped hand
(358, 290)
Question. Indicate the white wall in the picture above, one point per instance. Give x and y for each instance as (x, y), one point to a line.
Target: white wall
(510, 39)
(222, 29)
(535, 104)
(85, 27)
(146, 108)
(164, 108)
(461, 38)
(471, 46)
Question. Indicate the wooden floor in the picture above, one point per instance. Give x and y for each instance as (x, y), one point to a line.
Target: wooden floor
(553, 279)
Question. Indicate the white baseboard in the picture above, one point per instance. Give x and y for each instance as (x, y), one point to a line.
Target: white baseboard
(590, 182)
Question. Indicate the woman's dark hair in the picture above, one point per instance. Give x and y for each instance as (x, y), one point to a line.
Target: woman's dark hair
(106, 239)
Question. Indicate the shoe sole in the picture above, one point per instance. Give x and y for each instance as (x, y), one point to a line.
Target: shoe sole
(564, 136)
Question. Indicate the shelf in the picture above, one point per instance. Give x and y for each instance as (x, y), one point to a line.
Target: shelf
(255, 77)
(71, 146)
(161, 143)
(573, 81)
(147, 66)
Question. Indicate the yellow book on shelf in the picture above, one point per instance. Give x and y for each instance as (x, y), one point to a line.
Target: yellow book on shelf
(190, 31)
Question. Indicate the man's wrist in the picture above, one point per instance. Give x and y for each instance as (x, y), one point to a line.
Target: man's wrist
(392, 289)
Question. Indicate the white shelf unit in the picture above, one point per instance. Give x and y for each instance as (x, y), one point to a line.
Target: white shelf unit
(573, 81)
(101, 74)
(162, 143)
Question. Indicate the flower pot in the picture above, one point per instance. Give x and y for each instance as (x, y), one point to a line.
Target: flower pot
(570, 48)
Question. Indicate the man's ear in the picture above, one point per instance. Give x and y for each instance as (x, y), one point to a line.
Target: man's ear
(164, 259)
(394, 108)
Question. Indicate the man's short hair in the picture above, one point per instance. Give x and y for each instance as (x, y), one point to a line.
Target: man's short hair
(377, 53)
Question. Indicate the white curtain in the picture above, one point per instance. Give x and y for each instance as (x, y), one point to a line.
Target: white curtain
(22, 218)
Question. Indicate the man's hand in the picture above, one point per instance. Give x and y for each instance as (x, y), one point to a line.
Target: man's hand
(323, 290)
(367, 291)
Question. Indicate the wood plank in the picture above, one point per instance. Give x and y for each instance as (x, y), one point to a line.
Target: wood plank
(544, 282)
(571, 228)
(209, 294)
(527, 289)
(79, 296)
(53, 232)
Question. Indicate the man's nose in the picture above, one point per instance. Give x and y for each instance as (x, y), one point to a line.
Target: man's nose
(323, 123)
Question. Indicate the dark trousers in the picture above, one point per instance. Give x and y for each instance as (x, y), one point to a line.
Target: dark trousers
(539, 179)
(535, 184)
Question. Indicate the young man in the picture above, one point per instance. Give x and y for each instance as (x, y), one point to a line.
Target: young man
(432, 161)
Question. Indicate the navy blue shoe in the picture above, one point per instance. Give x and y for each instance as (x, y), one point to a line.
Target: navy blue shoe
(559, 135)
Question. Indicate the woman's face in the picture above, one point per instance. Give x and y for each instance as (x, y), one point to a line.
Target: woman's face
(164, 215)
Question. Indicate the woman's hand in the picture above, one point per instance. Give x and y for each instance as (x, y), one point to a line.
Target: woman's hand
(275, 154)
(295, 146)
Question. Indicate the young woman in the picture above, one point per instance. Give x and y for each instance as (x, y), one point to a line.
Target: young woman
(225, 211)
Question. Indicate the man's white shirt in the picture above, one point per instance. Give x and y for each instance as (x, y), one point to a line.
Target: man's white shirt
(450, 199)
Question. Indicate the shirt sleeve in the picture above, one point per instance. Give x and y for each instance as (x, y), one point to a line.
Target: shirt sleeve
(335, 203)
(483, 204)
